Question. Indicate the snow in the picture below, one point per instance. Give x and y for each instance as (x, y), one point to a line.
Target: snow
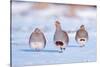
(23, 25)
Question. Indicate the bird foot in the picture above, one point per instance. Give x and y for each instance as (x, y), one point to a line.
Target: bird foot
(82, 45)
(38, 50)
(60, 51)
(63, 48)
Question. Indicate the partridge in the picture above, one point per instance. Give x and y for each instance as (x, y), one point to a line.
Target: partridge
(61, 38)
(81, 36)
(37, 39)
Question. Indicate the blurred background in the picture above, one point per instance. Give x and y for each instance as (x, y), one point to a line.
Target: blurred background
(26, 16)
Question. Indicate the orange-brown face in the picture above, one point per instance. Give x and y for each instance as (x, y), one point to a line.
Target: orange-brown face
(57, 24)
(37, 30)
(82, 27)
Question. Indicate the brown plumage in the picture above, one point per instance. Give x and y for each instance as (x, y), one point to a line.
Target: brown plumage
(61, 38)
(37, 39)
(81, 36)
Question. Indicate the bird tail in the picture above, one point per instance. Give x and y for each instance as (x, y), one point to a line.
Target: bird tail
(59, 43)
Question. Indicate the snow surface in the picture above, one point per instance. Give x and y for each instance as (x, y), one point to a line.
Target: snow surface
(24, 23)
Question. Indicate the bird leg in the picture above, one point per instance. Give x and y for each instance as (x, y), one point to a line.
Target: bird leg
(82, 45)
(37, 49)
(63, 48)
(60, 50)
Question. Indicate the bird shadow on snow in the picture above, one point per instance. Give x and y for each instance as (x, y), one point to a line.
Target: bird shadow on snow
(33, 50)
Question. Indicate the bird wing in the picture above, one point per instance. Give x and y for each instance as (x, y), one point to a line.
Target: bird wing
(81, 33)
(66, 35)
(30, 38)
(54, 37)
(44, 40)
(86, 34)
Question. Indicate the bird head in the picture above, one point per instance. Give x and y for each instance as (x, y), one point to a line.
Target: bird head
(82, 27)
(57, 25)
(37, 30)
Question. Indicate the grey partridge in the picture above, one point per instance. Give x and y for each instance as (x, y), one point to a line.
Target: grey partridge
(81, 36)
(61, 38)
(37, 39)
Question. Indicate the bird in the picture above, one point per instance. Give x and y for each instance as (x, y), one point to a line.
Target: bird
(61, 38)
(37, 39)
(81, 36)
